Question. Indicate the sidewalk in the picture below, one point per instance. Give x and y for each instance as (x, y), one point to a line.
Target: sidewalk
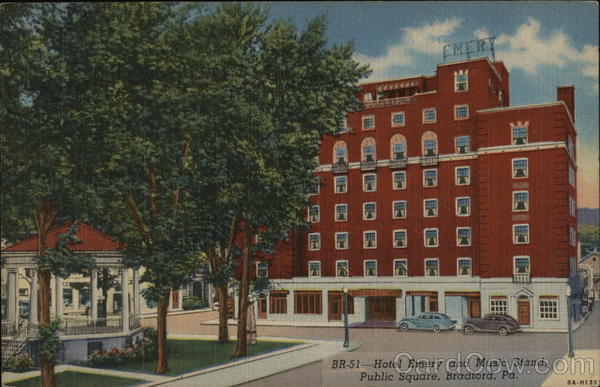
(265, 323)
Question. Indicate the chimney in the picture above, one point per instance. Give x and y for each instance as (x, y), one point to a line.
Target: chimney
(567, 94)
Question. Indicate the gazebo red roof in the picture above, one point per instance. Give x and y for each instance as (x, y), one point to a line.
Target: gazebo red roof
(91, 240)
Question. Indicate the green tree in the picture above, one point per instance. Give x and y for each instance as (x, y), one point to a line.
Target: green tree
(589, 237)
(275, 93)
(44, 178)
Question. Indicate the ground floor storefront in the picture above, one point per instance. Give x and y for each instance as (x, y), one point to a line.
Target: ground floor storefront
(538, 305)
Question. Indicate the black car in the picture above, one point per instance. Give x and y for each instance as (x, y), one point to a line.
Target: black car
(501, 323)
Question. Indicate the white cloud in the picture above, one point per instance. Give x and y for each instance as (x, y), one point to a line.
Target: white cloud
(425, 39)
(481, 33)
(528, 50)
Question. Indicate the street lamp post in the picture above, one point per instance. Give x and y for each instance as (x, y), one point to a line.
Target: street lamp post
(346, 333)
(569, 326)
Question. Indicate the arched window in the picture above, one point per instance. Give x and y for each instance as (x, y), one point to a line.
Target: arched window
(368, 151)
(340, 152)
(397, 147)
(429, 143)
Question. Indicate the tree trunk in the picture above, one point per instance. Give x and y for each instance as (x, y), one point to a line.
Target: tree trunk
(241, 344)
(222, 296)
(44, 215)
(161, 341)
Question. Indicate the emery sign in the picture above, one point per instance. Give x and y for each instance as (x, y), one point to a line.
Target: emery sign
(470, 47)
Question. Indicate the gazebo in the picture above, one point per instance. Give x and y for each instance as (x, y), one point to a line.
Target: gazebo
(82, 330)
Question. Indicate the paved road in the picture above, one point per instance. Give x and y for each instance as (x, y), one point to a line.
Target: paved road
(384, 344)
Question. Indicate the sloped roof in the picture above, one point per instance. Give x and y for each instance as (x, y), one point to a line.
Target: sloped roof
(91, 240)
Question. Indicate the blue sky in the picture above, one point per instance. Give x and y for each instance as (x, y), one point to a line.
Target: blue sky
(544, 45)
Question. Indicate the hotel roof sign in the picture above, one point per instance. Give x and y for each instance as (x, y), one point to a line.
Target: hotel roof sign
(470, 47)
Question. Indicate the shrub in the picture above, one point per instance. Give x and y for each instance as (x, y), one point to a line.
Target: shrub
(143, 349)
(19, 363)
(193, 302)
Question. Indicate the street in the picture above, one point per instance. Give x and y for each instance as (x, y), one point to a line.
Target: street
(385, 344)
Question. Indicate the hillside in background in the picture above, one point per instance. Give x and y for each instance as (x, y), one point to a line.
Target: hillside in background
(588, 216)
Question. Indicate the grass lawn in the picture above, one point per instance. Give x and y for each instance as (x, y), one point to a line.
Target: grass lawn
(79, 379)
(188, 355)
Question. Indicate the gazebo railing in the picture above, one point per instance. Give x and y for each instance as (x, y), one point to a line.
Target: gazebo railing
(134, 322)
(9, 328)
(71, 327)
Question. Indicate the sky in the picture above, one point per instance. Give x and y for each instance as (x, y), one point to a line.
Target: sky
(543, 44)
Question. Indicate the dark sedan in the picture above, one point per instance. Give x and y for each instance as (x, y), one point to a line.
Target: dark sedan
(503, 324)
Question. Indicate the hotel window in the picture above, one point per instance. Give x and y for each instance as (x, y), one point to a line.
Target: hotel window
(430, 208)
(430, 147)
(399, 209)
(314, 187)
(464, 266)
(314, 241)
(521, 265)
(262, 269)
(548, 307)
(399, 180)
(341, 184)
(314, 268)
(572, 236)
(463, 175)
(341, 154)
(570, 146)
(307, 302)
(369, 182)
(368, 122)
(461, 81)
(463, 236)
(369, 152)
(400, 267)
(571, 176)
(500, 98)
(341, 268)
(314, 214)
(520, 234)
(341, 212)
(463, 144)
(432, 267)
(398, 150)
(398, 119)
(341, 240)
(520, 168)
(520, 201)
(498, 305)
(368, 97)
(519, 135)
(277, 302)
(400, 240)
(369, 211)
(461, 112)
(370, 268)
(430, 178)
(431, 237)
(429, 115)
(370, 239)
(572, 206)
(463, 206)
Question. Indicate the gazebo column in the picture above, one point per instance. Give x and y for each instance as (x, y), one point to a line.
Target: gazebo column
(33, 294)
(136, 292)
(94, 294)
(59, 296)
(124, 300)
(12, 297)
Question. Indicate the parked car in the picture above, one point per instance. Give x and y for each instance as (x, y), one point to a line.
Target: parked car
(427, 321)
(503, 324)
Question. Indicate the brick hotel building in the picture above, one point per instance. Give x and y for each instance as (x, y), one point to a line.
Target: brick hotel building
(437, 196)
